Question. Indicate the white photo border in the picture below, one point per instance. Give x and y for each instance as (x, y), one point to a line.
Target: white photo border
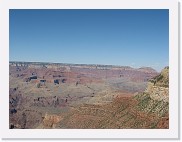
(171, 133)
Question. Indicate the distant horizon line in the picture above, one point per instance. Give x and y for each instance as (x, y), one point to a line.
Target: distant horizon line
(84, 64)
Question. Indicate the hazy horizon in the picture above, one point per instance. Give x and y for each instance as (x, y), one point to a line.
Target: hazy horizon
(87, 64)
(135, 38)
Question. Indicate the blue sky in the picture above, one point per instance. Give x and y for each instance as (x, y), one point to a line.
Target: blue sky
(133, 38)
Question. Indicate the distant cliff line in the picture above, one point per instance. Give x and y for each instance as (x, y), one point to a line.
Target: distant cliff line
(96, 66)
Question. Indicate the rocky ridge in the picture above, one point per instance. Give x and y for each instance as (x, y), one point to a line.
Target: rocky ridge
(158, 87)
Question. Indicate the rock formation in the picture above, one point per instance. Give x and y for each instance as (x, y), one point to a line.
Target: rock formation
(158, 87)
(87, 96)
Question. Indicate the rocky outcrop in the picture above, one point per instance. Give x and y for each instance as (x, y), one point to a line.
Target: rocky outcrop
(158, 87)
(50, 121)
(158, 93)
(162, 79)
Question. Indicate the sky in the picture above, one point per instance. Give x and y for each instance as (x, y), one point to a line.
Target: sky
(135, 38)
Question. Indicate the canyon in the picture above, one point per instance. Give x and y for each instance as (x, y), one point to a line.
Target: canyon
(81, 96)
